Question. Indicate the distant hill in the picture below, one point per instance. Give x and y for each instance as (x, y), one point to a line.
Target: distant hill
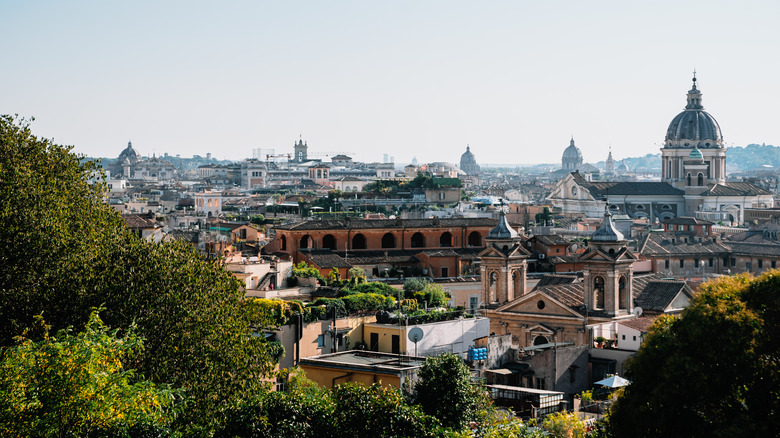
(749, 157)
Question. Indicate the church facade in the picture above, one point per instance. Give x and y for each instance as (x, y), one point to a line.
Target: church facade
(693, 179)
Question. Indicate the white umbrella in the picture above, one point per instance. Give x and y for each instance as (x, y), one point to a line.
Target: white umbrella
(613, 382)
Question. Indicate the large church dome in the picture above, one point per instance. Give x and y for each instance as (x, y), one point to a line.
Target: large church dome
(468, 163)
(130, 154)
(572, 157)
(694, 127)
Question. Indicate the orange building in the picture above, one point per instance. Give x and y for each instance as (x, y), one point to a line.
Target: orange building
(440, 247)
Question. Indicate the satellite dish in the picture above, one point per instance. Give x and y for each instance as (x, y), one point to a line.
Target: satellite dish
(637, 311)
(415, 334)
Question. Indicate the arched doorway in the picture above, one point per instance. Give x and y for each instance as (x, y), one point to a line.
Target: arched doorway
(388, 240)
(445, 240)
(359, 241)
(329, 241)
(418, 240)
(306, 242)
(475, 239)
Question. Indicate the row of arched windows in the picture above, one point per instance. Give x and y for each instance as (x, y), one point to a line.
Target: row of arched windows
(599, 293)
(388, 241)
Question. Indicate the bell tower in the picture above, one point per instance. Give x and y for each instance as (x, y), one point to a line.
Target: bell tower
(503, 264)
(608, 271)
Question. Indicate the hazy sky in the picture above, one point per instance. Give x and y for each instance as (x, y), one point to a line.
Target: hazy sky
(513, 79)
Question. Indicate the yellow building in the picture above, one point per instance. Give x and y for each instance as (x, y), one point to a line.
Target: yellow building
(366, 367)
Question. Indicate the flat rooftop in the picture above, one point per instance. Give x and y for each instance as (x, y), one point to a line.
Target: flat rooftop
(365, 360)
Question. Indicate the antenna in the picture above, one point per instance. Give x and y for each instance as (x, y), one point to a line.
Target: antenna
(637, 311)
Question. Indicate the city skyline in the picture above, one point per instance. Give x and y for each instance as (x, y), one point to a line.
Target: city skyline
(513, 80)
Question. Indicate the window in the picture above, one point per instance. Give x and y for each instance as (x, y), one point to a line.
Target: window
(418, 240)
(320, 341)
(682, 263)
(374, 342)
(760, 263)
(539, 383)
(624, 337)
(598, 290)
(666, 264)
(733, 262)
(475, 239)
(473, 303)
(388, 241)
(396, 344)
(712, 262)
(634, 338)
(359, 241)
(329, 241)
(540, 304)
(748, 266)
(774, 264)
(446, 239)
(445, 271)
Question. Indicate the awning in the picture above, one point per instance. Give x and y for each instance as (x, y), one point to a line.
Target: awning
(500, 371)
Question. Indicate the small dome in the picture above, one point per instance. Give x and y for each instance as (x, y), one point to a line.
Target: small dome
(468, 163)
(696, 154)
(607, 231)
(502, 230)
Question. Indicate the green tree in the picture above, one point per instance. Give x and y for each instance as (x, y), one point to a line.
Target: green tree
(564, 425)
(445, 391)
(77, 385)
(63, 252)
(347, 410)
(714, 372)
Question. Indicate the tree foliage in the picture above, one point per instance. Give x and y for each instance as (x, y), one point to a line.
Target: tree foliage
(713, 372)
(347, 410)
(445, 391)
(77, 384)
(63, 252)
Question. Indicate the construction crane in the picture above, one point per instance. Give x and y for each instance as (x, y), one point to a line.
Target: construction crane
(328, 154)
(274, 156)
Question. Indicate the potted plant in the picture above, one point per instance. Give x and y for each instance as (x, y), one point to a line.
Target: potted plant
(609, 343)
(600, 341)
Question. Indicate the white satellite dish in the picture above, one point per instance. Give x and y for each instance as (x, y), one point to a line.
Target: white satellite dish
(415, 335)
(637, 311)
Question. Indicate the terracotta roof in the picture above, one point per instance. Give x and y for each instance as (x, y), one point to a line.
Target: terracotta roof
(659, 294)
(388, 223)
(553, 279)
(687, 221)
(136, 221)
(734, 189)
(326, 259)
(641, 324)
(674, 244)
(571, 295)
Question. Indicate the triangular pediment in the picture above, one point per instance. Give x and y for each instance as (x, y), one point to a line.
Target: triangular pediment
(529, 303)
(623, 255)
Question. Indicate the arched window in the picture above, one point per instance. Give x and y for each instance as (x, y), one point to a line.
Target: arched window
(329, 241)
(700, 179)
(493, 286)
(388, 240)
(475, 239)
(622, 291)
(689, 179)
(283, 243)
(306, 241)
(539, 340)
(359, 241)
(516, 285)
(598, 292)
(418, 240)
(446, 239)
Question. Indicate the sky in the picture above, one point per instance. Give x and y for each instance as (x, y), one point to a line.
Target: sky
(515, 80)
